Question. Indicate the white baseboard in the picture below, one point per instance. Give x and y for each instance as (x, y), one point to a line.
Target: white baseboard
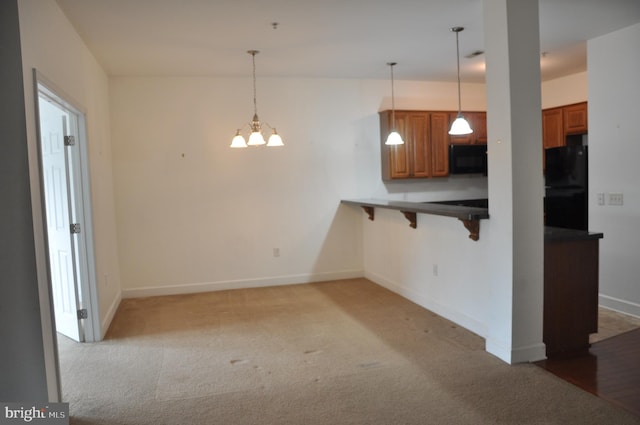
(532, 353)
(509, 355)
(500, 351)
(191, 288)
(621, 306)
(441, 310)
(108, 318)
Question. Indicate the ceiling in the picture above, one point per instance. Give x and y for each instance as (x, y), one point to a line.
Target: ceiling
(325, 38)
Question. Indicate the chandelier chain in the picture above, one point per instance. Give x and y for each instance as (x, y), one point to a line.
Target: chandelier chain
(255, 103)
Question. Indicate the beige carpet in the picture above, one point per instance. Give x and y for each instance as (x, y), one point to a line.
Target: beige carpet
(611, 323)
(343, 352)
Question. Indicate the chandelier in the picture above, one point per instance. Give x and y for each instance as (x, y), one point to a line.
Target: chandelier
(255, 137)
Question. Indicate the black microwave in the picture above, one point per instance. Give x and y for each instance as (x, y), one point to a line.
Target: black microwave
(468, 159)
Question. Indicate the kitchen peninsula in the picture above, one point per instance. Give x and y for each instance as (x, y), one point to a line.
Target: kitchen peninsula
(469, 215)
(570, 270)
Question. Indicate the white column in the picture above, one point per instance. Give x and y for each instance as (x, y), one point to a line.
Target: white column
(516, 190)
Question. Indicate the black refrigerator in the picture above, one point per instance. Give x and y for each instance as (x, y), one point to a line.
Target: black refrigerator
(566, 187)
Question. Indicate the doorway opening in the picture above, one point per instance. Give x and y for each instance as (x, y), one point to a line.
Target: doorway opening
(67, 213)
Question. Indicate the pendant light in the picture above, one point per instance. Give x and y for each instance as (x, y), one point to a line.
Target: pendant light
(394, 137)
(256, 138)
(460, 126)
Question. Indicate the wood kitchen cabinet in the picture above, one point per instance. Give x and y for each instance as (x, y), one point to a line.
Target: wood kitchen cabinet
(575, 118)
(478, 123)
(552, 128)
(558, 123)
(570, 292)
(439, 144)
(424, 153)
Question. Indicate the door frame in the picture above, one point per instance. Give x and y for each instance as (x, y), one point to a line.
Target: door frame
(91, 328)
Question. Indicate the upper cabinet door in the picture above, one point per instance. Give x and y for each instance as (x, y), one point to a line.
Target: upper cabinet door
(552, 129)
(439, 144)
(399, 155)
(420, 157)
(575, 118)
(479, 127)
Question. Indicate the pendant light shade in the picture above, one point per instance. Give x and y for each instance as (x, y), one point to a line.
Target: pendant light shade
(460, 126)
(238, 141)
(275, 139)
(255, 137)
(394, 137)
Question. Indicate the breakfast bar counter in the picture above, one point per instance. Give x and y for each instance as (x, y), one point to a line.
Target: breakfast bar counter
(570, 270)
(469, 215)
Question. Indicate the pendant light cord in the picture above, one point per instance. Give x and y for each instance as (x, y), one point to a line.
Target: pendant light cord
(458, 62)
(393, 96)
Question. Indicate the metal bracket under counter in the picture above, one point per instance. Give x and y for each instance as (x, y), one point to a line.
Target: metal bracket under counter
(470, 216)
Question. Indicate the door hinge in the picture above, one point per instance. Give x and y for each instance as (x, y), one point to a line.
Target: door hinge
(69, 140)
(83, 314)
(75, 227)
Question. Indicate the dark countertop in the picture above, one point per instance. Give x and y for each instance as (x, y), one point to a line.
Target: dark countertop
(456, 211)
(557, 234)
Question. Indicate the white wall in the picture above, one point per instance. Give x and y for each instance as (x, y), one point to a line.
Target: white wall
(614, 149)
(210, 220)
(565, 90)
(195, 215)
(51, 45)
(436, 265)
(26, 366)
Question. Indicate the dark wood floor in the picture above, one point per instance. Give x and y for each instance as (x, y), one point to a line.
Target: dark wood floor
(611, 370)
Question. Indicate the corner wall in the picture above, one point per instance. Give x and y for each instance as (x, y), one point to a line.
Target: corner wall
(51, 45)
(614, 149)
(195, 215)
(24, 363)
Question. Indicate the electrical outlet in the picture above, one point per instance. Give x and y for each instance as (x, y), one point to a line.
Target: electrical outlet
(276, 252)
(615, 199)
(435, 270)
(600, 198)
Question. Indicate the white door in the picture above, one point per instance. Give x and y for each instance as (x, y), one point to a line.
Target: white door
(56, 174)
